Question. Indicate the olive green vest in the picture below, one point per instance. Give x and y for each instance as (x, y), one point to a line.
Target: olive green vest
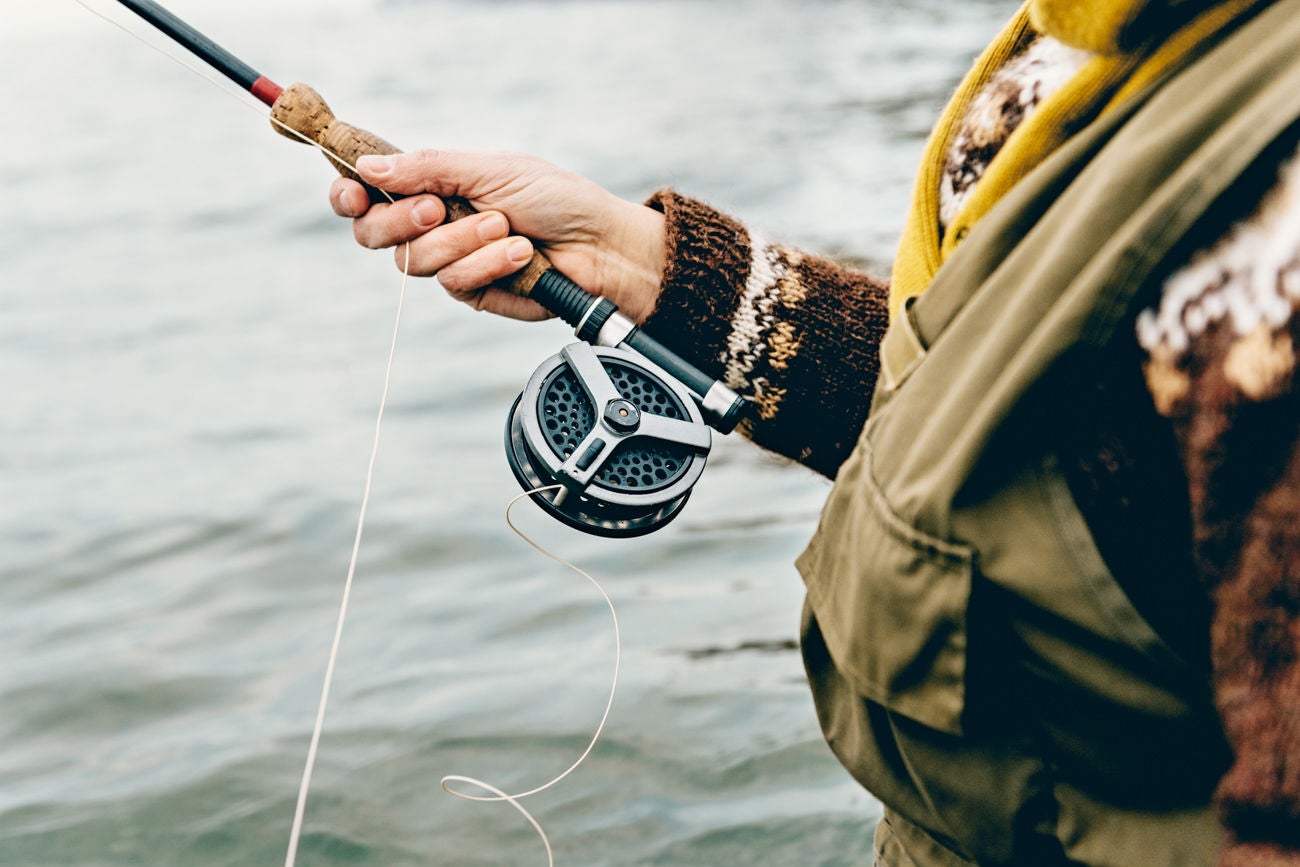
(974, 662)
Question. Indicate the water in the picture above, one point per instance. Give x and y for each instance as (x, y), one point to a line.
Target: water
(191, 351)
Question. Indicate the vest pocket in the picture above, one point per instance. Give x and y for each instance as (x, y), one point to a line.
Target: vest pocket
(901, 349)
(891, 601)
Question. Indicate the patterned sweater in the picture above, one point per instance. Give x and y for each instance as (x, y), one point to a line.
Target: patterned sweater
(800, 333)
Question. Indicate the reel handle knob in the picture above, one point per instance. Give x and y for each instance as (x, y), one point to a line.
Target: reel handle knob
(300, 108)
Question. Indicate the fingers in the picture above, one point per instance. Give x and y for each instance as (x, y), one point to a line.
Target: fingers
(481, 267)
(387, 225)
(439, 248)
(503, 303)
(348, 198)
(467, 255)
(468, 278)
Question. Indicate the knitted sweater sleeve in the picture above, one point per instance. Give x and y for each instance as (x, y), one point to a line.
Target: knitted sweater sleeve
(796, 332)
(1221, 364)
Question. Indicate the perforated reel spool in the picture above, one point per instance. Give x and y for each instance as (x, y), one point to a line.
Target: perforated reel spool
(625, 440)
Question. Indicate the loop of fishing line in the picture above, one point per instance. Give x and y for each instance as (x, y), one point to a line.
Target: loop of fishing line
(449, 781)
(497, 795)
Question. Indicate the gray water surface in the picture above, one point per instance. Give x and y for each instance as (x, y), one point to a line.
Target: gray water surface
(191, 351)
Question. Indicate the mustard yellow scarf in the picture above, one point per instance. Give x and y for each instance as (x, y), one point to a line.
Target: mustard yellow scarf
(1125, 36)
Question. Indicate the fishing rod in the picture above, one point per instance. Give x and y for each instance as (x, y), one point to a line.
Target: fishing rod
(206, 50)
(615, 427)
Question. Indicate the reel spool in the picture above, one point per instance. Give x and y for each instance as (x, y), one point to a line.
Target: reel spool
(624, 439)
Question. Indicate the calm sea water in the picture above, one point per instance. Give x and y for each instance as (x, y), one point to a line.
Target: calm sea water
(191, 351)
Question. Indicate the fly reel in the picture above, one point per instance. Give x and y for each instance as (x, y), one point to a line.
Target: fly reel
(623, 440)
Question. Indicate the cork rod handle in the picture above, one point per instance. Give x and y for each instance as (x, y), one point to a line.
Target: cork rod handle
(303, 110)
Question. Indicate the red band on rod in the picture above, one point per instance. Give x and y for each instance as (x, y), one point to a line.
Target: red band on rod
(266, 90)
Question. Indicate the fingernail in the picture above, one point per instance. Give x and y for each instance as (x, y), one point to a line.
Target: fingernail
(426, 213)
(492, 227)
(376, 165)
(520, 251)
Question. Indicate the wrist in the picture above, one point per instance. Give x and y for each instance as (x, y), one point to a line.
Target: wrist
(631, 261)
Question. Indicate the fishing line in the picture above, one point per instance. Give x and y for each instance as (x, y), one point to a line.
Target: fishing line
(300, 808)
(449, 781)
(238, 95)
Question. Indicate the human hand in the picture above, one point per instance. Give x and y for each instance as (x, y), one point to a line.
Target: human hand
(607, 245)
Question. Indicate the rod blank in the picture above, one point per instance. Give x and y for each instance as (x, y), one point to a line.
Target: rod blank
(204, 48)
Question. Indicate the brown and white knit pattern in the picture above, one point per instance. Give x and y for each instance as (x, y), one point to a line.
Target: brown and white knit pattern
(1247, 286)
(1013, 93)
(1221, 364)
(759, 304)
(772, 269)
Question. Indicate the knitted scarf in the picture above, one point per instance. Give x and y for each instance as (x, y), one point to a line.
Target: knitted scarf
(1135, 42)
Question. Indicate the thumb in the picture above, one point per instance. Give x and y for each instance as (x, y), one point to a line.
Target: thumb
(443, 173)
